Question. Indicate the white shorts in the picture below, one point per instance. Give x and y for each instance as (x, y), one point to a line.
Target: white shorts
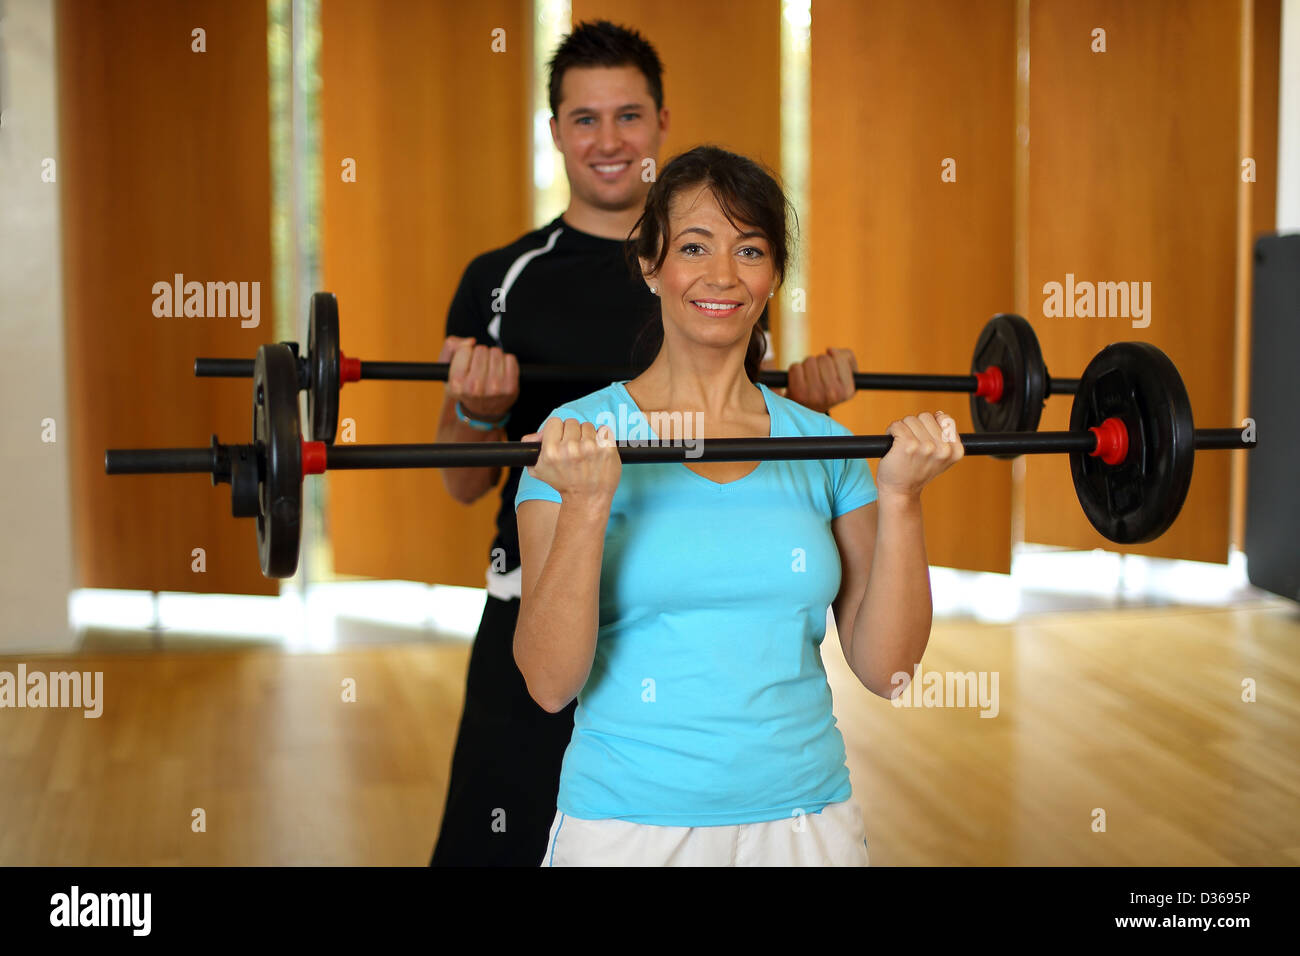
(833, 836)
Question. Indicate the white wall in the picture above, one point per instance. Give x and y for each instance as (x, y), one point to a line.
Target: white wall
(1288, 126)
(36, 571)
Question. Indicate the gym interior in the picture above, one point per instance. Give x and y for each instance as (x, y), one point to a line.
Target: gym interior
(1083, 701)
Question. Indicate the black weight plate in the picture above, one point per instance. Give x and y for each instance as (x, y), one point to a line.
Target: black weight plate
(1138, 499)
(323, 358)
(277, 438)
(245, 490)
(1008, 341)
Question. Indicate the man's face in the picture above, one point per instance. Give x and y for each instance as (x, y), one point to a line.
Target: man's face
(605, 126)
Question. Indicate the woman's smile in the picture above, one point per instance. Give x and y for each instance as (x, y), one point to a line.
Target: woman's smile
(716, 308)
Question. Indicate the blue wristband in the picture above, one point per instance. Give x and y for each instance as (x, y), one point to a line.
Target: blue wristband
(479, 424)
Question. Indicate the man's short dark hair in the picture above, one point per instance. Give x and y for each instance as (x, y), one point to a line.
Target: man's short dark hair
(601, 43)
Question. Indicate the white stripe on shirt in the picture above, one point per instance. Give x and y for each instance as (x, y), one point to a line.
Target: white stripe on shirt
(505, 586)
(516, 267)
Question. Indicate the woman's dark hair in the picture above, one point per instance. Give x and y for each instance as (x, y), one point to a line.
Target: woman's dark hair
(601, 43)
(748, 195)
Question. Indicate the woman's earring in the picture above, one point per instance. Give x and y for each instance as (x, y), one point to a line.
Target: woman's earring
(654, 291)
(772, 293)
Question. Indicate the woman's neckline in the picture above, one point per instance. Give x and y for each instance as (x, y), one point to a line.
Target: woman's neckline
(771, 428)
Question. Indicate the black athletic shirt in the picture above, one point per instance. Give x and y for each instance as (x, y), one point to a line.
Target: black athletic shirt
(555, 296)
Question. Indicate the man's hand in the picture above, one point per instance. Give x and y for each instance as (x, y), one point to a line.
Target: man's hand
(821, 382)
(484, 380)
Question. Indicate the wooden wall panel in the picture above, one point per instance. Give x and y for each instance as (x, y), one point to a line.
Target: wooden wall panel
(438, 125)
(164, 168)
(1265, 69)
(905, 268)
(1257, 212)
(1133, 176)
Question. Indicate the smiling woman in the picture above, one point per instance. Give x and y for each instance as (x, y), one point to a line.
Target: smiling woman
(729, 252)
(684, 604)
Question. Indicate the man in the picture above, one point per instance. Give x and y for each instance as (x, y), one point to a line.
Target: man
(561, 295)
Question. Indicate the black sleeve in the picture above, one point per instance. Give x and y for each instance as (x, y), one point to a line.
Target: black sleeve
(467, 315)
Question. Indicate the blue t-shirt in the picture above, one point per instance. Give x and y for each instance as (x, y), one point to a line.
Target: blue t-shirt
(707, 703)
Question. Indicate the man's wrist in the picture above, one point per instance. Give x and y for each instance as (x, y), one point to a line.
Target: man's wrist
(467, 405)
(480, 421)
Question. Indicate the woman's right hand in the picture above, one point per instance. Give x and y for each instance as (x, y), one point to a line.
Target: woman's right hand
(484, 380)
(578, 460)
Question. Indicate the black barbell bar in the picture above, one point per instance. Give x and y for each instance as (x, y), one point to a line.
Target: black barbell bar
(318, 457)
(985, 384)
(1008, 383)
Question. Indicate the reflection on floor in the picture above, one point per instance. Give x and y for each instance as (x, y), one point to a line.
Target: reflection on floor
(347, 613)
(1159, 735)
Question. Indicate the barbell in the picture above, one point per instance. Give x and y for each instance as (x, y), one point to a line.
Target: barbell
(1131, 445)
(1008, 384)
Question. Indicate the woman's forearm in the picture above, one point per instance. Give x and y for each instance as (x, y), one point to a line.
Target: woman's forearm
(555, 637)
(892, 625)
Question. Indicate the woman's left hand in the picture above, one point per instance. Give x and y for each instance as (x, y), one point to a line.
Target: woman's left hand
(925, 446)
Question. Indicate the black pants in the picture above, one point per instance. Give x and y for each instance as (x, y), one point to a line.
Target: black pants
(505, 771)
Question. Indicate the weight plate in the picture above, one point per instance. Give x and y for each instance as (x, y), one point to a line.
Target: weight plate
(1009, 342)
(245, 492)
(1138, 499)
(277, 438)
(323, 358)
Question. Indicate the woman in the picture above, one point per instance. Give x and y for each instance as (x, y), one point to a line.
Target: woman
(684, 604)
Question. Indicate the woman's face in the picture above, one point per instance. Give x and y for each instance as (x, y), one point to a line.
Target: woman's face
(717, 276)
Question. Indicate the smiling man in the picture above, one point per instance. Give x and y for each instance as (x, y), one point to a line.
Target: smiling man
(560, 295)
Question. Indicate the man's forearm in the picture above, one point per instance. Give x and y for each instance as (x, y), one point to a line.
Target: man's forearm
(892, 625)
(466, 485)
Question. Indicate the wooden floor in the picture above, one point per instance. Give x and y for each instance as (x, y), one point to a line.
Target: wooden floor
(1136, 713)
